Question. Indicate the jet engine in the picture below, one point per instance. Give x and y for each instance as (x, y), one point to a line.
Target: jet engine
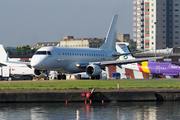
(40, 73)
(93, 70)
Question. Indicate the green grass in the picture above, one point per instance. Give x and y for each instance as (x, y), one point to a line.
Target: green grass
(86, 84)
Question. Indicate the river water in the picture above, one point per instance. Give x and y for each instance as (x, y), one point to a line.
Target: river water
(169, 110)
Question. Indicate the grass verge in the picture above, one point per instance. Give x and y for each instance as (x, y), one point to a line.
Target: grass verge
(85, 84)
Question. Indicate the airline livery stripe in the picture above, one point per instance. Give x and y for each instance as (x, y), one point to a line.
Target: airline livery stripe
(140, 68)
(145, 67)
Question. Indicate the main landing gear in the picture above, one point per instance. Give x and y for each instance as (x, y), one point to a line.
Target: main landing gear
(61, 77)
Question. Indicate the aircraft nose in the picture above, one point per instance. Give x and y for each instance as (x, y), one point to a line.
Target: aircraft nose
(36, 63)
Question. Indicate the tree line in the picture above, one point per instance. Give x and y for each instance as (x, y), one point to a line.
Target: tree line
(22, 50)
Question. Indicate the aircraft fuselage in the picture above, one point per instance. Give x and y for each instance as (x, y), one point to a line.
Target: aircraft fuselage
(65, 59)
(159, 68)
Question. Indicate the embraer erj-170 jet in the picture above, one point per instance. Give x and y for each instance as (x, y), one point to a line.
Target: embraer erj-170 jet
(75, 60)
(157, 68)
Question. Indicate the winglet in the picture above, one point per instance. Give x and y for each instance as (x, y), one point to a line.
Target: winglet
(111, 35)
(171, 51)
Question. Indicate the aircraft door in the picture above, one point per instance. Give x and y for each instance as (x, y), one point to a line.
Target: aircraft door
(158, 69)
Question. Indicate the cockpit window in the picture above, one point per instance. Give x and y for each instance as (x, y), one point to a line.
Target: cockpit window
(43, 53)
(40, 53)
(49, 53)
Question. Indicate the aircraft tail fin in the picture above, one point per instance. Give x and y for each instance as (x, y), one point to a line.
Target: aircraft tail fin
(111, 35)
(122, 47)
(3, 54)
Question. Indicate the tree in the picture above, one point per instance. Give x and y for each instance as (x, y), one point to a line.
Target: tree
(132, 48)
(5, 49)
(25, 50)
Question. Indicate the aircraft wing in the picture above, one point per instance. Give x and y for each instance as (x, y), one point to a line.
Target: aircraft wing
(19, 62)
(120, 54)
(117, 62)
(176, 63)
(1, 64)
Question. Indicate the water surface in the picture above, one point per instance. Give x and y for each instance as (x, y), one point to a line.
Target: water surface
(169, 110)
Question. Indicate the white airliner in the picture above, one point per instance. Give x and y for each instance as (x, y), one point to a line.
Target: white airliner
(75, 60)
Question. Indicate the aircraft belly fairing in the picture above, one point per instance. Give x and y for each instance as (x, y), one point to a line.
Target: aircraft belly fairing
(74, 69)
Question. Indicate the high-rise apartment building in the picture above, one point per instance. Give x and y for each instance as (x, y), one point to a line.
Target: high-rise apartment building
(157, 23)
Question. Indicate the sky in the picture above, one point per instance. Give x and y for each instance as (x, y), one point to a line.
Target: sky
(27, 22)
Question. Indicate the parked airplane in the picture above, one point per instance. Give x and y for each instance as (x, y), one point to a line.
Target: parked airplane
(75, 60)
(157, 68)
(16, 68)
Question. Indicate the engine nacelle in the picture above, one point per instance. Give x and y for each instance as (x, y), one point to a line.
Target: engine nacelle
(93, 70)
(40, 73)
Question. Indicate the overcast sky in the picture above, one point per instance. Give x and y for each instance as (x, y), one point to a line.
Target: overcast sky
(27, 22)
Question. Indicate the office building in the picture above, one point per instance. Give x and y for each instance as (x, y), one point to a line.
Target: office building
(157, 24)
